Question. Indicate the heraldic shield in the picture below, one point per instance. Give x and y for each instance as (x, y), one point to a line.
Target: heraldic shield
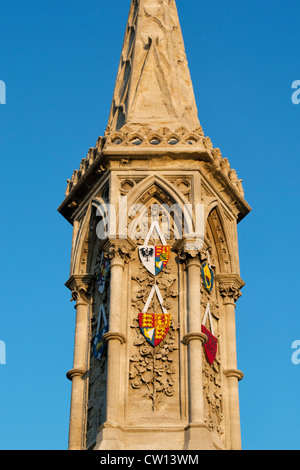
(211, 346)
(155, 257)
(154, 326)
(207, 276)
(102, 274)
(98, 343)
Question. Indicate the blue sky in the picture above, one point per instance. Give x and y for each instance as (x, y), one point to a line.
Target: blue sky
(59, 61)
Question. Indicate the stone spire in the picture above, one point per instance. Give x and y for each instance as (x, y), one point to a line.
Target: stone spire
(153, 86)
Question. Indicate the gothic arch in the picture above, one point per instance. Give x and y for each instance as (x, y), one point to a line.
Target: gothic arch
(217, 233)
(85, 242)
(157, 189)
(78, 240)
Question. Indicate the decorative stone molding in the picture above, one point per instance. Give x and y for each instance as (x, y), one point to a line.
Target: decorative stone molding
(224, 166)
(117, 249)
(230, 292)
(147, 139)
(187, 250)
(234, 373)
(111, 335)
(85, 165)
(75, 373)
(144, 136)
(194, 336)
(81, 286)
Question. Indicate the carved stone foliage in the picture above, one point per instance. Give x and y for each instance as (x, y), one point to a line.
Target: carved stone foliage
(116, 249)
(212, 383)
(212, 378)
(213, 397)
(153, 373)
(230, 292)
(152, 369)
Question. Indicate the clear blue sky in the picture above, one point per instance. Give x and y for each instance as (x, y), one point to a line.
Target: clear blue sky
(59, 61)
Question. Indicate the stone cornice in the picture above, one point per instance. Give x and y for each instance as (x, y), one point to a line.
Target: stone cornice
(97, 164)
(138, 137)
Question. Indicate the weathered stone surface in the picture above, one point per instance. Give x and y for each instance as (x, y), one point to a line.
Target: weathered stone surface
(155, 154)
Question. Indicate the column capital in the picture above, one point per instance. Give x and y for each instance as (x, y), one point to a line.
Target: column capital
(81, 287)
(230, 286)
(189, 250)
(117, 248)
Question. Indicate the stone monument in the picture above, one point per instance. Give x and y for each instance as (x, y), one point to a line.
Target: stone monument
(154, 265)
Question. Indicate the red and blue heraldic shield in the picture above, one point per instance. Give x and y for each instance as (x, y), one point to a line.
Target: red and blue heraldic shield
(154, 326)
(211, 346)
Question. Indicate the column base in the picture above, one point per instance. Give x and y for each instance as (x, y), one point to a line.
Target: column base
(109, 437)
(195, 436)
(198, 437)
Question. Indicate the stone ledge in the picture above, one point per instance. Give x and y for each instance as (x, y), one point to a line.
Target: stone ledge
(111, 335)
(234, 373)
(194, 336)
(75, 373)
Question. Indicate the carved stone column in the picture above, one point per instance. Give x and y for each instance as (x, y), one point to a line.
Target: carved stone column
(110, 435)
(229, 288)
(197, 435)
(80, 285)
